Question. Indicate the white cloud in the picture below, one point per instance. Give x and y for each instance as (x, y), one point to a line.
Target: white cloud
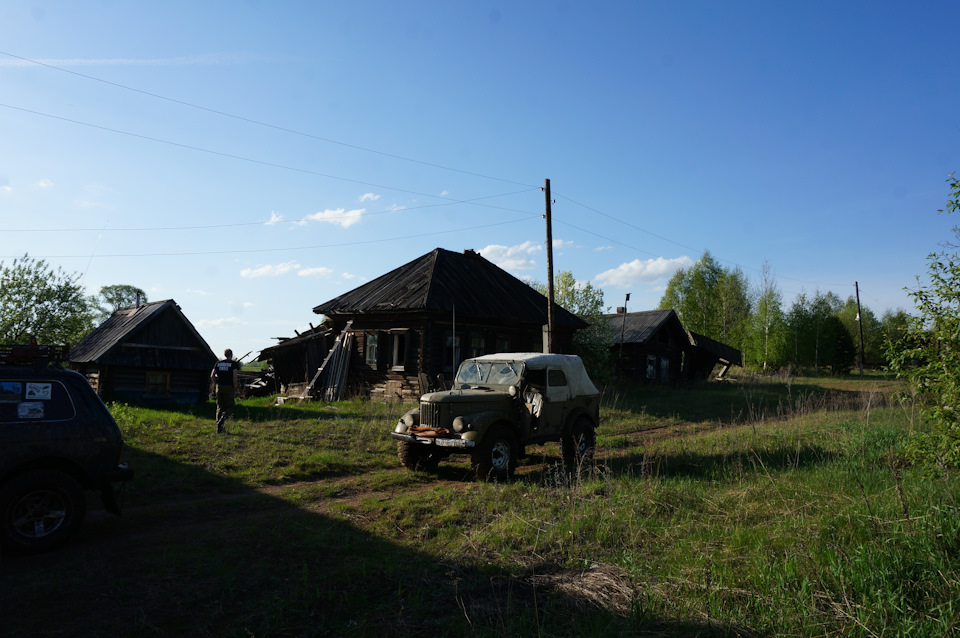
(512, 257)
(275, 217)
(600, 249)
(642, 271)
(369, 197)
(559, 244)
(315, 272)
(444, 193)
(341, 217)
(44, 183)
(269, 270)
(224, 322)
(6, 189)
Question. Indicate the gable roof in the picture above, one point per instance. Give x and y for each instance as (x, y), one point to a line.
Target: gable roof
(125, 323)
(443, 281)
(723, 352)
(639, 327)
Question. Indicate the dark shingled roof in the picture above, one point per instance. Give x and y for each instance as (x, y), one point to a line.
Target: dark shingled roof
(101, 344)
(441, 279)
(638, 327)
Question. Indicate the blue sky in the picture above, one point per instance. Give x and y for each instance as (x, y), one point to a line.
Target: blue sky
(254, 159)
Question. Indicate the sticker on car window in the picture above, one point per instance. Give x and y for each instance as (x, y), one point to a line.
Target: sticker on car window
(30, 410)
(39, 391)
(10, 391)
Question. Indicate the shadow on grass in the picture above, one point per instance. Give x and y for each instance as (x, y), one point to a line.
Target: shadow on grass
(228, 560)
(720, 466)
(729, 402)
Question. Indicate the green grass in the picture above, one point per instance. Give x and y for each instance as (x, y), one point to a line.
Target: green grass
(753, 508)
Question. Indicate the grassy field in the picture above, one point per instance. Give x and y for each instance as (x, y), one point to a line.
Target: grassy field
(776, 507)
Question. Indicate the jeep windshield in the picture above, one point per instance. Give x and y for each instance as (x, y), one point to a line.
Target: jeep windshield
(481, 373)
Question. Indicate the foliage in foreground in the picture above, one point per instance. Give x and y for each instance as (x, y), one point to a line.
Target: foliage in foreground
(928, 354)
(751, 509)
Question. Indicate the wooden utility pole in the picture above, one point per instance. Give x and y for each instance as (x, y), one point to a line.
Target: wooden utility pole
(856, 286)
(547, 216)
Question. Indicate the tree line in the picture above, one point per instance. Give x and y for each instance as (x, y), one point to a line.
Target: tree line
(48, 305)
(818, 332)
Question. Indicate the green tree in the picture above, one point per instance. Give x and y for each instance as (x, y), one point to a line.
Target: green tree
(586, 301)
(872, 332)
(894, 324)
(38, 302)
(710, 300)
(812, 333)
(117, 296)
(767, 330)
(928, 354)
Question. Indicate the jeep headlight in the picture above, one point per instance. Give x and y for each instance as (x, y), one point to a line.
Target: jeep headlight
(459, 425)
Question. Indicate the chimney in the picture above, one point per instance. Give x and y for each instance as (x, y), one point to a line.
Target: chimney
(621, 310)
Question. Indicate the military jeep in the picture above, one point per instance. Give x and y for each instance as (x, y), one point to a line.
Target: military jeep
(500, 404)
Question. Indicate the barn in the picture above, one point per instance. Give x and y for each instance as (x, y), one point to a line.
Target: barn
(148, 354)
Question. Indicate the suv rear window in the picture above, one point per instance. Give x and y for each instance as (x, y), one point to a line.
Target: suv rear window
(34, 400)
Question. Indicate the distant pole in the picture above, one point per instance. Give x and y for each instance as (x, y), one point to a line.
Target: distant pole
(856, 286)
(623, 331)
(547, 216)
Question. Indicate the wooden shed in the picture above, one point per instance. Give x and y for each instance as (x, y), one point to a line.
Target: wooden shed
(649, 346)
(296, 359)
(149, 353)
(408, 330)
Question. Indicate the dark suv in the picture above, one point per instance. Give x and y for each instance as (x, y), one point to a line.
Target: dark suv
(57, 439)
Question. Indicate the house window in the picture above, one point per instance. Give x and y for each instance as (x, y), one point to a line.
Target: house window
(158, 382)
(651, 367)
(399, 351)
(370, 350)
(451, 352)
(503, 344)
(664, 370)
(476, 346)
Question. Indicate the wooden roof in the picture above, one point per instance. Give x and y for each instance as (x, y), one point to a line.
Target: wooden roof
(130, 325)
(723, 352)
(639, 327)
(443, 281)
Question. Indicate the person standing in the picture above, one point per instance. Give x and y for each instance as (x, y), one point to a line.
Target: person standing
(225, 374)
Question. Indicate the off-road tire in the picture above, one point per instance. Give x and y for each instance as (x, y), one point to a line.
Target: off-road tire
(579, 445)
(495, 457)
(40, 509)
(415, 456)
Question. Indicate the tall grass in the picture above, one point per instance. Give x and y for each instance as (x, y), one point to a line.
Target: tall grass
(755, 508)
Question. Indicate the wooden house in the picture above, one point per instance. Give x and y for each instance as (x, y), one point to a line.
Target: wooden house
(408, 330)
(653, 346)
(149, 353)
(649, 346)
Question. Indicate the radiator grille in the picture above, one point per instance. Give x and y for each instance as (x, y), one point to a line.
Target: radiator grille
(430, 414)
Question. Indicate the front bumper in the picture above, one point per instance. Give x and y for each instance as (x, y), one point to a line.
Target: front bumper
(461, 444)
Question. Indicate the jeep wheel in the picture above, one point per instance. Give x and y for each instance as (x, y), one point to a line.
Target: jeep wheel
(578, 446)
(415, 456)
(495, 458)
(40, 510)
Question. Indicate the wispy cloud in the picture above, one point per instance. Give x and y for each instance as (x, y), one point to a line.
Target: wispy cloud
(559, 244)
(201, 293)
(339, 216)
(315, 272)
(269, 270)
(600, 249)
(223, 322)
(44, 183)
(275, 217)
(369, 197)
(642, 271)
(208, 59)
(512, 257)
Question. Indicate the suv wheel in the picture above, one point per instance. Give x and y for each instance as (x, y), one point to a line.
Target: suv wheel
(414, 456)
(495, 458)
(40, 509)
(578, 446)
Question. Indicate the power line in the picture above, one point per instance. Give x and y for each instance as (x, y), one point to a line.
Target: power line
(269, 250)
(264, 124)
(270, 222)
